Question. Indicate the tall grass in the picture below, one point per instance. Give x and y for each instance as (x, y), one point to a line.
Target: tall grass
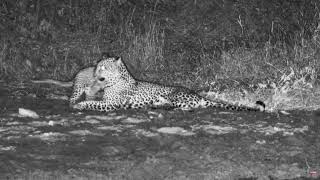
(196, 44)
(285, 80)
(145, 50)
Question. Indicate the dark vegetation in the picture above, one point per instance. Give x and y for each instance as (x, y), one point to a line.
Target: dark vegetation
(200, 42)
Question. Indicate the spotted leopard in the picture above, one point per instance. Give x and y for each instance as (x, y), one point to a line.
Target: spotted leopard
(123, 91)
(82, 85)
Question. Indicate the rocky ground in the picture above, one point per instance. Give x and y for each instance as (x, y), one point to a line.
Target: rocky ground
(59, 143)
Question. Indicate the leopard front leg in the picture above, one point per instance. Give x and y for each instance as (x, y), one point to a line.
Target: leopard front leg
(76, 94)
(96, 106)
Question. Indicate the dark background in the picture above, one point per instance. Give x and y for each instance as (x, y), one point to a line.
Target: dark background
(200, 41)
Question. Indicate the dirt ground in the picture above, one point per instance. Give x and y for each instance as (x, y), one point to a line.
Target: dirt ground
(151, 143)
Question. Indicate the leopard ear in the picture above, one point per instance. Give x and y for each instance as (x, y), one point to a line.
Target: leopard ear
(118, 60)
(105, 55)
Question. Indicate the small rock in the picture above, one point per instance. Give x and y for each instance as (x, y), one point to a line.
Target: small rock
(51, 123)
(85, 133)
(145, 133)
(28, 113)
(160, 116)
(284, 112)
(132, 120)
(214, 129)
(7, 148)
(38, 123)
(50, 136)
(175, 130)
(261, 141)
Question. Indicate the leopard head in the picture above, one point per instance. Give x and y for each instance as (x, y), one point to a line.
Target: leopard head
(110, 71)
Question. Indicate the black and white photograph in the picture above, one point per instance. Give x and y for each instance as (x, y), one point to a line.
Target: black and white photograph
(159, 89)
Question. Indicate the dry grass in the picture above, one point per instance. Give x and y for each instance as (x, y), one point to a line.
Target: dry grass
(283, 83)
(195, 47)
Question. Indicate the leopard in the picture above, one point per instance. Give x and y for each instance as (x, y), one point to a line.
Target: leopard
(82, 86)
(123, 91)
